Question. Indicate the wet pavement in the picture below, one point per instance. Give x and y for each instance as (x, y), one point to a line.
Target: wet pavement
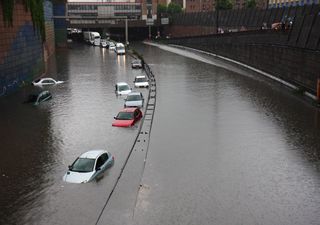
(226, 146)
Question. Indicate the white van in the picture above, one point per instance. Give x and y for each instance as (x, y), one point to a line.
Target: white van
(120, 49)
(95, 38)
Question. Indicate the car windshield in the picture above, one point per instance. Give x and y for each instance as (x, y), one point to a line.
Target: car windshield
(83, 165)
(125, 116)
(141, 79)
(124, 88)
(136, 62)
(133, 98)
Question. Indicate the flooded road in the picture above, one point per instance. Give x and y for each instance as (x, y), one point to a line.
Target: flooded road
(227, 146)
(38, 143)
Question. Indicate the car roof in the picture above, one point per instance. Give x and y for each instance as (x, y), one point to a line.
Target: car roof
(128, 109)
(92, 154)
(140, 76)
(135, 93)
(121, 83)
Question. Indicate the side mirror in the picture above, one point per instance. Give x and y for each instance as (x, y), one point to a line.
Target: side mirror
(70, 167)
(98, 169)
(115, 117)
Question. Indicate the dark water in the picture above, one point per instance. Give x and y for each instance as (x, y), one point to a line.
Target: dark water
(38, 143)
(227, 147)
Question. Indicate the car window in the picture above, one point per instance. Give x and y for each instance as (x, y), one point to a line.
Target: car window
(136, 113)
(99, 162)
(83, 165)
(141, 79)
(133, 98)
(104, 157)
(125, 116)
(124, 88)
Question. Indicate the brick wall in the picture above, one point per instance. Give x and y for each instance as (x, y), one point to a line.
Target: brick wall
(22, 50)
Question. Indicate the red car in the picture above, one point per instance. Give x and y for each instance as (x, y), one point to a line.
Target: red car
(127, 117)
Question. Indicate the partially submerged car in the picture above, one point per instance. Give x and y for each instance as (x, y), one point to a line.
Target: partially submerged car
(89, 166)
(134, 99)
(141, 81)
(136, 64)
(46, 81)
(127, 117)
(112, 46)
(103, 43)
(122, 88)
(36, 99)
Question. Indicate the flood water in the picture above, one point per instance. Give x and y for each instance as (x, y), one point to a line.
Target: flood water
(227, 146)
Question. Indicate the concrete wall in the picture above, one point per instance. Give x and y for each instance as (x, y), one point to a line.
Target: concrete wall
(292, 54)
(21, 49)
(60, 25)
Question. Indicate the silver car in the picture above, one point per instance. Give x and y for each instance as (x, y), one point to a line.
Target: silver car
(89, 166)
(134, 99)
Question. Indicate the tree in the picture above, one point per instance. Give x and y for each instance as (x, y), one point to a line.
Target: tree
(162, 9)
(251, 3)
(223, 4)
(174, 8)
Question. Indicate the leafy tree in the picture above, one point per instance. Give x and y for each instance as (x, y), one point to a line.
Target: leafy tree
(224, 4)
(174, 8)
(162, 9)
(251, 3)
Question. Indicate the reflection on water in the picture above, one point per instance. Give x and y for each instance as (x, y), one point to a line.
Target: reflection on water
(225, 146)
(40, 142)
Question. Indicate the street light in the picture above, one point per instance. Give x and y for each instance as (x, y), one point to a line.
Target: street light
(217, 16)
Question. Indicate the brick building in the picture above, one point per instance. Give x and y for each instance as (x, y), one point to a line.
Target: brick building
(199, 6)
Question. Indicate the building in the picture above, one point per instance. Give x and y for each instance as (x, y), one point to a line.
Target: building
(199, 6)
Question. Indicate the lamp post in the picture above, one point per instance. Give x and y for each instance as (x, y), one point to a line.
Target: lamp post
(217, 16)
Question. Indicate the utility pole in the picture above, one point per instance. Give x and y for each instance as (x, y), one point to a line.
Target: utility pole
(126, 32)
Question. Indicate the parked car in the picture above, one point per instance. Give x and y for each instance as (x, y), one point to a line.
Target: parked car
(141, 81)
(134, 99)
(103, 43)
(36, 99)
(89, 166)
(112, 46)
(122, 88)
(136, 64)
(127, 117)
(120, 49)
(46, 81)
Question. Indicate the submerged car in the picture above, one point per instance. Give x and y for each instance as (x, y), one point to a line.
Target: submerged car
(46, 81)
(134, 99)
(136, 64)
(103, 43)
(127, 117)
(122, 88)
(112, 46)
(36, 99)
(89, 166)
(141, 81)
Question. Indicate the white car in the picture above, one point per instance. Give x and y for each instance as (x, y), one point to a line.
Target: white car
(89, 166)
(112, 46)
(141, 81)
(134, 99)
(103, 43)
(122, 88)
(46, 81)
(136, 64)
